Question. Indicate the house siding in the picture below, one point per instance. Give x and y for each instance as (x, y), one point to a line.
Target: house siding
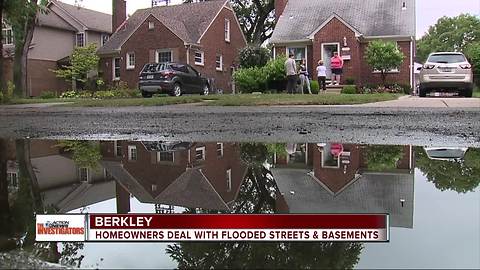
(213, 43)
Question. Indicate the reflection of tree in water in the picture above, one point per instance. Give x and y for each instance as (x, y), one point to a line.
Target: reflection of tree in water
(21, 208)
(257, 195)
(461, 176)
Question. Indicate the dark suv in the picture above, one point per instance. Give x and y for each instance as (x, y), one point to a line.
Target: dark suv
(171, 78)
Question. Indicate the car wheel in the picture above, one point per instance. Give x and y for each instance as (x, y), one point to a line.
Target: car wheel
(146, 94)
(468, 92)
(422, 92)
(206, 90)
(177, 90)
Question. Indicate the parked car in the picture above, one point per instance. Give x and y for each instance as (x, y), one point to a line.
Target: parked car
(446, 153)
(448, 71)
(171, 78)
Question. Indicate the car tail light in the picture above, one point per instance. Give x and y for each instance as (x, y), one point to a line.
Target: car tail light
(466, 66)
(426, 66)
(168, 74)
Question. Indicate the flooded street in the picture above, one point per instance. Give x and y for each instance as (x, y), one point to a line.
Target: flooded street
(432, 195)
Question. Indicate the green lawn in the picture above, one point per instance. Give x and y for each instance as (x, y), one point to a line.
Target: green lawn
(476, 92)
(223, 100)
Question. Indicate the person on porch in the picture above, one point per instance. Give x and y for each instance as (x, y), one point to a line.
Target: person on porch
(322, 77)
(337, 68)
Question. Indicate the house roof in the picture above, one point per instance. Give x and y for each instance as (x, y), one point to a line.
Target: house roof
(187, 21)
(51, 19)
(190, 189)
(370, 193)
(370, 18)
(91, 19)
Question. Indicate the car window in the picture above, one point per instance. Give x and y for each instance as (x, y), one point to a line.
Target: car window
(192, 71)
(447, 58)
(151, 68)
(180, 68)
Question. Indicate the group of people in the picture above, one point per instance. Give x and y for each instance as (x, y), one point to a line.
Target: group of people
(300, 75)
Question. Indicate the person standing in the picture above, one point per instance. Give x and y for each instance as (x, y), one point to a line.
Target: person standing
(322, 77)
(337, 68)
(304, 77)
(291, 71)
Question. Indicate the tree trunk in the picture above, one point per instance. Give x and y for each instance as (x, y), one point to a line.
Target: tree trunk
(26, 168)
(3, 84)
(384, 78)
(5, 215)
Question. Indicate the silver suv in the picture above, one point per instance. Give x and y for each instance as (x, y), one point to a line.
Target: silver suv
(448, 71)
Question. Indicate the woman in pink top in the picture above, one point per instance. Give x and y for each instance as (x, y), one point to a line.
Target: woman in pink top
(336, 64)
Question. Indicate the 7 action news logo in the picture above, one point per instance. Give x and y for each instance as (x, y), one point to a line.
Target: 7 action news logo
(59, 227)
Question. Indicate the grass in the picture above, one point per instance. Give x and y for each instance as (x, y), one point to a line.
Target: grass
(476, 92)
(222, 100)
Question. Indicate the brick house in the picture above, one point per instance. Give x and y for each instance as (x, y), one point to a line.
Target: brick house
(315, 29)
(206, 35)
(57, 32)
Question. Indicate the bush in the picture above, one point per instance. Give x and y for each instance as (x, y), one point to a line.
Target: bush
(392, 88)
(253, 56)
(350, 81)
(314, 86)
(69, 94)
(104, 94)
(275, 69)
(250, 80)
(48, 95)
(349, 89)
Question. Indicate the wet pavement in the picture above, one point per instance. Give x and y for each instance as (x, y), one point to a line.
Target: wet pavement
(431, 193)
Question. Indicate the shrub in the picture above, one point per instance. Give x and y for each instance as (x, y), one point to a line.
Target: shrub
(253, 56)
(104, 94)
(84, 94)
(69, 94)
(251, 79)
(275, 69)
(349, 89)
(314, 86)
(48, 95)
(350, 81)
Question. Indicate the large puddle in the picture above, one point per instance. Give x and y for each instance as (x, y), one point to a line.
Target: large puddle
(432, 196)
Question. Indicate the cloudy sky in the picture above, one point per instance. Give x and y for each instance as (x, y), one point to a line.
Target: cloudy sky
(428, 11)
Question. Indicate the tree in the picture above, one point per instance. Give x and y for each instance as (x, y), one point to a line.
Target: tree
(383, 56)
(83, 60)
(253, 56)
(22, 18)
(449, 34)
(255, 16)
(473, 53)
(461, 176)
(381, 158)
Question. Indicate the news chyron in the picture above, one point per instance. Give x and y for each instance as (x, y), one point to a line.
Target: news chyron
(213, 227)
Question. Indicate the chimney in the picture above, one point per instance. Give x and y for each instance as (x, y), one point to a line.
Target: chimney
(279, 8)
(119, 12)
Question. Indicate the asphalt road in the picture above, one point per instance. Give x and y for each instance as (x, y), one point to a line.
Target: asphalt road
(439, 126)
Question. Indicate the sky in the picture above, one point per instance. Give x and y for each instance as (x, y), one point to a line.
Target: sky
(428, 11)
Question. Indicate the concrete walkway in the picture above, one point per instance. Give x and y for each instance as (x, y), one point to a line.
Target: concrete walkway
(432, 102)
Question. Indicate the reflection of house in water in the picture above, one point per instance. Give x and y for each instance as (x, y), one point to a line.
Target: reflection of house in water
(193, 175)
(336, 178)
(64, 185)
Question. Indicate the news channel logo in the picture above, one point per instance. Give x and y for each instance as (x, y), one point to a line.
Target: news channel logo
(60, 228)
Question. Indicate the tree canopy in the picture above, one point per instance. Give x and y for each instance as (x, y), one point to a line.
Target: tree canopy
(383, 56)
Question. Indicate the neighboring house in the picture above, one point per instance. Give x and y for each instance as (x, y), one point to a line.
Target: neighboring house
(57, 32)
(193, 175)
(344, 184)
(206, 35)
(315, 29)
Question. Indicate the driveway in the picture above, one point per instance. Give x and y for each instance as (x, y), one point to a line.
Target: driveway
(433, 102)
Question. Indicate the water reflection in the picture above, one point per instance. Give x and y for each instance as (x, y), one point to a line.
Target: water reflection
(39, 176)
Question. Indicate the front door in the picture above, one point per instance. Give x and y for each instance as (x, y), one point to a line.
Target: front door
(327, 53)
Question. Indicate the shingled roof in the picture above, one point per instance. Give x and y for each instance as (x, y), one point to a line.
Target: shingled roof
(93, 20)
(51, 19)
(370, 18)
(187, 21)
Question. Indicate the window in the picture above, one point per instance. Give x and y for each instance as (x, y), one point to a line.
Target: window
(200, 153)
(7, 35)
(219, 62)
(80, 40)
(131, 60)
(116, 69)
(164, 56)
(199, 58)
(298, 52)
(105, 38)
(12, 179)
(83, 174)
(132, 153)
(227, 30)
(229, 180)
(151, 25)
(118, 152)
(219, 149)
(165, 156)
